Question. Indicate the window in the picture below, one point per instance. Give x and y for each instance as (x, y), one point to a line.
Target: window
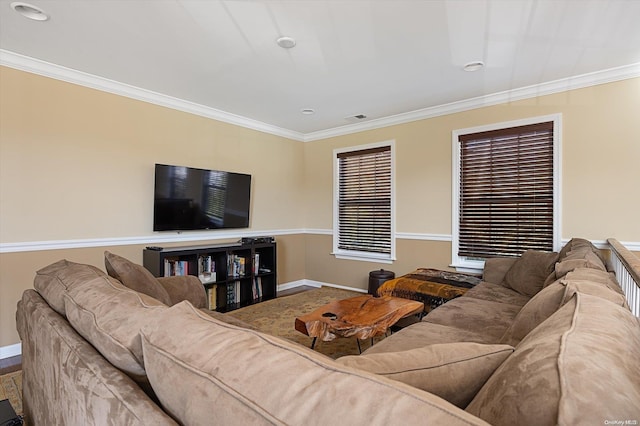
(363, 203)
(505, 190)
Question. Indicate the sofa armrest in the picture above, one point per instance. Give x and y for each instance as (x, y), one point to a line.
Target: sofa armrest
(496, 268)
(187, 287)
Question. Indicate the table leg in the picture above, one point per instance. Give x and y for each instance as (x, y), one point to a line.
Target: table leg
(359, 348)
(313, 344)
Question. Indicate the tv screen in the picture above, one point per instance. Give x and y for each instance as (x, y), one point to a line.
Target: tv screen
(188, 199)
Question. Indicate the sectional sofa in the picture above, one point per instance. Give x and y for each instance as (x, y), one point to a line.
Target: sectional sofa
(545, 339)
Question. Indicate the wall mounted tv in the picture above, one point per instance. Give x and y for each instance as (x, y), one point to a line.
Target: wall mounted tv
(188, 199)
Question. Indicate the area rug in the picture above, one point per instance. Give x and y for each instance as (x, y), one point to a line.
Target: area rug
(11, 389)
(277, 317)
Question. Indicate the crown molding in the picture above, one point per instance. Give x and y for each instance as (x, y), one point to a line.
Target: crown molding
(46, 69)
(36, 66)
(548, 88)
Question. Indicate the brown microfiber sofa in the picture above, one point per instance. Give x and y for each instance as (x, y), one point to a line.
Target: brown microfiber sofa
(126, 348)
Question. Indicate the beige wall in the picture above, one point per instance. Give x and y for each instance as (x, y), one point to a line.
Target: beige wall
(76, 163)
(599, 176)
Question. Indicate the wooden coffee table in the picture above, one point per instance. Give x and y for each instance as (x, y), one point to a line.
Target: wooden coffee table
(361, 316)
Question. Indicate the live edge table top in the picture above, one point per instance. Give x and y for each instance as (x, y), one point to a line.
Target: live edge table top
(361, 316)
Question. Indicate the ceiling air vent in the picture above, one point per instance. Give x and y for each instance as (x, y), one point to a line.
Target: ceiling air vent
(355, 118)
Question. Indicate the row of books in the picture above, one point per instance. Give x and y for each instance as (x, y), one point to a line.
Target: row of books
(233, 293)
(175, 268)
(236, 265)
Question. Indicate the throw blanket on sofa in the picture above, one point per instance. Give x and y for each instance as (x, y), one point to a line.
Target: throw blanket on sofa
(432, 287)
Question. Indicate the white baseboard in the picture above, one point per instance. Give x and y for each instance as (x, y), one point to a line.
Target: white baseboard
(317, 284)
(10, 351)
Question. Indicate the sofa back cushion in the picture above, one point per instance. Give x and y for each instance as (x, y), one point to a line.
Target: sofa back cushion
(529, 272)
(580, 366)
(109, 316)
(577, 253)
(550, 299)
(453, 371)
(208, 372)
(53, 281)
(136, 277)
(596, 275)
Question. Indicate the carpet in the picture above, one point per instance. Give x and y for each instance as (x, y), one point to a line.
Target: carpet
(11, 389)
(277, 317)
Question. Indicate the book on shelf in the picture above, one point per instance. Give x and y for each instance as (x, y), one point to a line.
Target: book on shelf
(233, 293)
(256, 263)
(206, 269)
(256, 288)
(212, 297)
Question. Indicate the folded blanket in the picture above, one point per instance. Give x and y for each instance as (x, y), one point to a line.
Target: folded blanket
(433, 287)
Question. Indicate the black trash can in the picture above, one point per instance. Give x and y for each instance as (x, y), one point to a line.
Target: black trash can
(377, 278)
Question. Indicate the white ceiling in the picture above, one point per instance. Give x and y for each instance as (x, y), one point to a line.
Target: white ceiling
(378, 58)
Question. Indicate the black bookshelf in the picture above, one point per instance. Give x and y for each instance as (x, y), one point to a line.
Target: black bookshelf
(233, 275)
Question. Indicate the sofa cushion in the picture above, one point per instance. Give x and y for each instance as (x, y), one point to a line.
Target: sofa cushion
(495, 269)
(453, 371)
(596, 275)
(185, 287)
(549, 300)
(110, 316)
(577, 367)
(53, 281)
(497, 293)
(221, 374)
(576, 244)
(425, 333)
(136, 277)
(489, 318)
(580, 259)
(528, 274)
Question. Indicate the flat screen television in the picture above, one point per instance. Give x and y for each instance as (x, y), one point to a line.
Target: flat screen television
(189, 199)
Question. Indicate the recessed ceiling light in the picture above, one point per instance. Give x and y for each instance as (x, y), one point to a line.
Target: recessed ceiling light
(29, 11)
(473, 66)
(286, 42)
(308, 111)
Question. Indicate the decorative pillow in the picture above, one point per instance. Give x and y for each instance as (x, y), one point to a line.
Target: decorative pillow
(135, 277)
(596, 275)
(583, 260)
(549, 300)
(577, 243)
(556, 374)
(453, 371)
(109, 316)
(221, 374)
(53, 281)
(528, 274)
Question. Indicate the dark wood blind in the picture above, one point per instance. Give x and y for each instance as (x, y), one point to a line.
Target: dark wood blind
(506, 191)
(364, 204)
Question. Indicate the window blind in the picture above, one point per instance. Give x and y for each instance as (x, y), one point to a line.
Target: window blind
(506, 191)
(364, 200)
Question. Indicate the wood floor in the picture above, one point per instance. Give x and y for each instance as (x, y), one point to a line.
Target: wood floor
(9, 365)
(295, 290)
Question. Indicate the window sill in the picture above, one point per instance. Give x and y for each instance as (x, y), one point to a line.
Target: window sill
(364, 257)
(468, 269)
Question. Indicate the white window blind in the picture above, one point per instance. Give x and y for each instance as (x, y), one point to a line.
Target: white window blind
(364, 201)
(506, 203)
